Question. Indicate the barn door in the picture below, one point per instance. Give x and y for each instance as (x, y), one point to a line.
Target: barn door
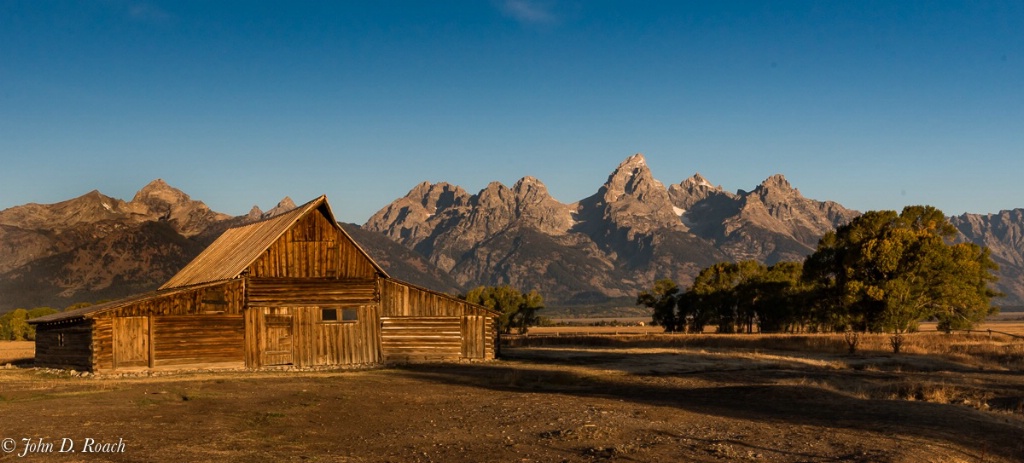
(131, 342)
(473, 337)
(277, 348)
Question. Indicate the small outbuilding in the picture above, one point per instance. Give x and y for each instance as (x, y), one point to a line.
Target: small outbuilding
(294, 289)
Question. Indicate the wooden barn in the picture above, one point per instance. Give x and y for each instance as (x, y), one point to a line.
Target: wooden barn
(294, 290)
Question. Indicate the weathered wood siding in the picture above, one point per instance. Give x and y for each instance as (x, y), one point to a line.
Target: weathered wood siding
(313, 248)
(131, 339)
(119, 343)
(420, 325)
(421, 339)
(400, 299)
(271, 292)
(198, 340)
(299, 336)
(64, 345)
(478, 337)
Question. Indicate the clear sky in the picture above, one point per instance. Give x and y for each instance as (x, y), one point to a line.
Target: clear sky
(873, 104)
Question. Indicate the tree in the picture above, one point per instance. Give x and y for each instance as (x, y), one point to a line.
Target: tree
(721, 293)
(662, 298)
(15, 326)
(526, 316)
(887, 272)
(517, 310)
(780, 297)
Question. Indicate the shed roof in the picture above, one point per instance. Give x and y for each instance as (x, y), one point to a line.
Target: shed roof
(93, 310)
(237, 248)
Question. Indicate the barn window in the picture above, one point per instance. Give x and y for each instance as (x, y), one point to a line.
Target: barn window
(214, 301)
(60, 339)
(339, 315)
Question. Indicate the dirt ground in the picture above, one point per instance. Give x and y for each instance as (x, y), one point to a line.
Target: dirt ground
(541, 404)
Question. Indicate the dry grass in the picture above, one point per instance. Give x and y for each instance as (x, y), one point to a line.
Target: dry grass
(16, 352)
(969, 350)
(978, 348)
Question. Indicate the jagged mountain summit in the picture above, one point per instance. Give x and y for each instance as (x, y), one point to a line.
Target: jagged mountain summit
(610, 244)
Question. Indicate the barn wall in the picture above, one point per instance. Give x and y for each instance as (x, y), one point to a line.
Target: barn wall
(198, 340)
(64, 345)
(284, 325)
(198, 326)
(271, 292)
(420, 325)
(421, 339)
(313, 248)
(298, 335)
(400, 299)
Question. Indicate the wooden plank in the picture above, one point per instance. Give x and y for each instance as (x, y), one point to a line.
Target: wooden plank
(149, 334)
(420, 339)
(311, 292)
(131, 342)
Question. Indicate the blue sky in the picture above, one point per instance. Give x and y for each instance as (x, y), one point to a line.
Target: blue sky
(873, 104)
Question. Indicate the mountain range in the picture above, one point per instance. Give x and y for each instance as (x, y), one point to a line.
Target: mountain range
(602, 248)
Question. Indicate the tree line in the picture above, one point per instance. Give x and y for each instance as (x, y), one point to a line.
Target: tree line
(14, 325)
(882, 272)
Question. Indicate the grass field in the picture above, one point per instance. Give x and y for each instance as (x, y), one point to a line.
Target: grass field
(19, 352)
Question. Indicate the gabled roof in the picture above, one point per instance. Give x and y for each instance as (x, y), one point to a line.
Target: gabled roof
(239, 247)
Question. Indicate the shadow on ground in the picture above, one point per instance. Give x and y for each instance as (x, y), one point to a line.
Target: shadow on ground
(747, 390)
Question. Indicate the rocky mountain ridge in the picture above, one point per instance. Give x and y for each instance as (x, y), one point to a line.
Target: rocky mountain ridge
(610, 244)
(634, 230)
(607, 246)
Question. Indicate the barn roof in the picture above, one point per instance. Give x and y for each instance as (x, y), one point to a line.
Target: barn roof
(239, 247)
(93, 310)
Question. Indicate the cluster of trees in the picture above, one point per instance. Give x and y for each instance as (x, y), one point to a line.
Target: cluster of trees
(14, 324)
(882, 272)
(518, 310)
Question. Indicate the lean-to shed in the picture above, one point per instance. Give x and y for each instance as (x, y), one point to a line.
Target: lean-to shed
(294, 289)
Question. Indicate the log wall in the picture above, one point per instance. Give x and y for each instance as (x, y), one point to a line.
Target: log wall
(460, 330)
(421, 339)
(64, 345)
